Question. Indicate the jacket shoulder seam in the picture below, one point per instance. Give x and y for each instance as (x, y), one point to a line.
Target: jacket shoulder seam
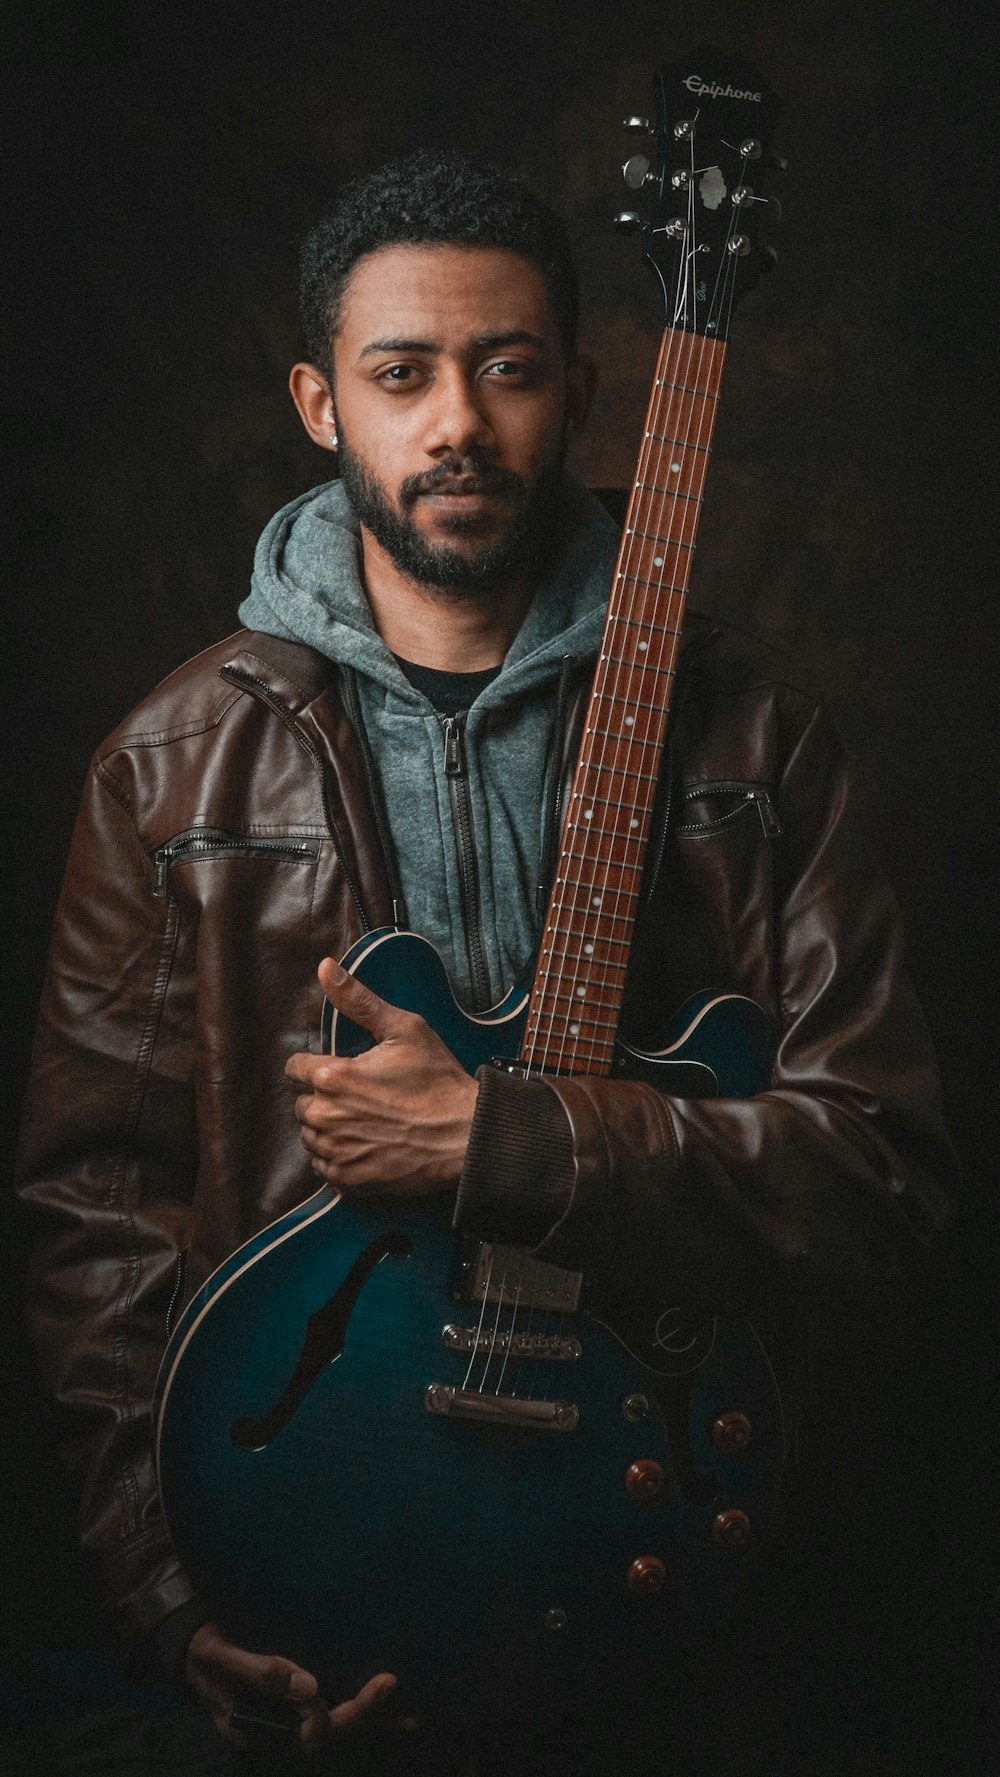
(156, 737)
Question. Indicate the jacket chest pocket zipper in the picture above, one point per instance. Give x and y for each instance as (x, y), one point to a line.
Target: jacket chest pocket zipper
(742, 796)
(212, 842)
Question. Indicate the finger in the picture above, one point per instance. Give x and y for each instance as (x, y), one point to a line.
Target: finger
(358, 1002)
(269, 1673)
(310, 1071)
(370, 1698)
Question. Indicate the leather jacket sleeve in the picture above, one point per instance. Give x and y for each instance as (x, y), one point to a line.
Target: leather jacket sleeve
(107, 1159)
(832, 1177)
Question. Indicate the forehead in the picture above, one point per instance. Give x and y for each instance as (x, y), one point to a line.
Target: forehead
(444, 295)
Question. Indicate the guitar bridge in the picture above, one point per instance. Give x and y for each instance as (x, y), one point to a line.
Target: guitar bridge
(508, 1410)
(486, 1342)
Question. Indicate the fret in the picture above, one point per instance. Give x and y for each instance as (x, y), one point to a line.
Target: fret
(650, 487)
(631, 740)
(593, 853)
(607, 801)
(591, 937)
(647, 623)
(598, 1030)
(607, 913)
(638, 703)
(660, 585)
(662, 382)
(586, 1010)
(654, 537)
(682, 443)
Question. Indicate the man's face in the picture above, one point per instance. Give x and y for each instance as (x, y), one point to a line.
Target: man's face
(450, 399)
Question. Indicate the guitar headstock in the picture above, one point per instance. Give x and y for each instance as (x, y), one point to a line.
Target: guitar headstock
(712, 126)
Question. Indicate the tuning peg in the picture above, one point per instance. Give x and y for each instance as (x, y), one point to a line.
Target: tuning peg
(628, 221)
(639, 126)
(635, 171)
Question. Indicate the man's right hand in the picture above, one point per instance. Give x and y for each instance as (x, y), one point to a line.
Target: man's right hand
(216, 1671)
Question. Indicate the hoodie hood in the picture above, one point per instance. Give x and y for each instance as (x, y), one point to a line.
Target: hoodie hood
(463, 800)
(306, 587)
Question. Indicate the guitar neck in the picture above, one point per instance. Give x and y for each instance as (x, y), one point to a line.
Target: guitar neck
(577, 994)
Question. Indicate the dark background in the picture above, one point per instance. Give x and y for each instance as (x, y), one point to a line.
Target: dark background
(163, 161)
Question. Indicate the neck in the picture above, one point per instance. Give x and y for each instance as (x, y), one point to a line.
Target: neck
(454, 629)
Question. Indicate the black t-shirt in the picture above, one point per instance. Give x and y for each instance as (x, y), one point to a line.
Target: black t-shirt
(450, 693)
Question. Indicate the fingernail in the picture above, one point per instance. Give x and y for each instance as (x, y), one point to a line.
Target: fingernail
(336, 971)
(299, 1685)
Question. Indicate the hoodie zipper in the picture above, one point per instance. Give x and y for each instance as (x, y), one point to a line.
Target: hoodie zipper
(257, 688)
(456, 772)
(214, 842)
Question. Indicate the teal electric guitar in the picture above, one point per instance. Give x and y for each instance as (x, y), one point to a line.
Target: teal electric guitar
(379, 1448)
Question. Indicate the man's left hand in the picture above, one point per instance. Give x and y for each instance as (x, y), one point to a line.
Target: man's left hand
(395, 1119)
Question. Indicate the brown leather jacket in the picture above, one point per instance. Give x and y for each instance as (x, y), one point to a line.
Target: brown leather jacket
(227, 840)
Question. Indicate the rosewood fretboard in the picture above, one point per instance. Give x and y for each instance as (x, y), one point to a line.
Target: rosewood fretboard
(577, 994)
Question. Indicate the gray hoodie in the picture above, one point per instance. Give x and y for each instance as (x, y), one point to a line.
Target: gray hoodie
(307, 587)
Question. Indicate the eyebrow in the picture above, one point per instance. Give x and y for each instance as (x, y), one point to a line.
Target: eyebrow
(485, 342)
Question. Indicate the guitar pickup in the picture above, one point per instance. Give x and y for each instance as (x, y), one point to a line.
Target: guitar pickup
(506, 1410)
(514, 1277)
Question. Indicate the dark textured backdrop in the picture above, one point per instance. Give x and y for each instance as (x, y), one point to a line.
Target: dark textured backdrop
(165, 157)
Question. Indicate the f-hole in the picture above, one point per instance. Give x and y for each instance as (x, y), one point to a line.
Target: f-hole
(322, 1343)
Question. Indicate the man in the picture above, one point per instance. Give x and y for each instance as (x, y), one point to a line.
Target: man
(293, 787)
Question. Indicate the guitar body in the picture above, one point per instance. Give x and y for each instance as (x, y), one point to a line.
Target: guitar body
(484, 1559)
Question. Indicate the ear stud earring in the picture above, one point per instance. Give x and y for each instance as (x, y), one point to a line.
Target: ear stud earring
(333, 441)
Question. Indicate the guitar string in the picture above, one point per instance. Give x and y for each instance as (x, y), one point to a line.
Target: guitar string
(687, 275)
(598, 761)
(610, 678)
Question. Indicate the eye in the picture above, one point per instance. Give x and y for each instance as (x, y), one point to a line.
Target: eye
(398, 376)
(522, 370)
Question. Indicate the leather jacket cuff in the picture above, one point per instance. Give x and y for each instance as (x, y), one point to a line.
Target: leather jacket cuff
(168, 1642)
(519, 1169)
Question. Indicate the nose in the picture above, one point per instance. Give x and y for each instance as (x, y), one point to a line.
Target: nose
(455, 416)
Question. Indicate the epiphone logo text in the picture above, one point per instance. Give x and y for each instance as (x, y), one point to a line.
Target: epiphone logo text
(708, 89)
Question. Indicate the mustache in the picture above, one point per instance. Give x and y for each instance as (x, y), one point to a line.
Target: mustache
(462, 476)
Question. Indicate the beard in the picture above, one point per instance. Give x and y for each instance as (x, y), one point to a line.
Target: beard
(523, 545)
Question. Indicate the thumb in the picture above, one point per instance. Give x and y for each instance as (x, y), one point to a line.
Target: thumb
(356, 1001)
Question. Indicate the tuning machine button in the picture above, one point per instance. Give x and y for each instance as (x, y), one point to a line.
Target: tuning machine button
(636, 172)
(628, 221)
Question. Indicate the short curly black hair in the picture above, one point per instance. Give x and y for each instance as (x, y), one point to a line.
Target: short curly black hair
(430, 197)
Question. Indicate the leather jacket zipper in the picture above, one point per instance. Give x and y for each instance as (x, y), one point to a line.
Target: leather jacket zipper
(752, 794)
(349, 680)
(456, 772)
(214, 842)
(257, 688)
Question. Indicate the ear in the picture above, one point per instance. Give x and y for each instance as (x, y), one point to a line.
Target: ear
(581, 387)
(312, 396)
